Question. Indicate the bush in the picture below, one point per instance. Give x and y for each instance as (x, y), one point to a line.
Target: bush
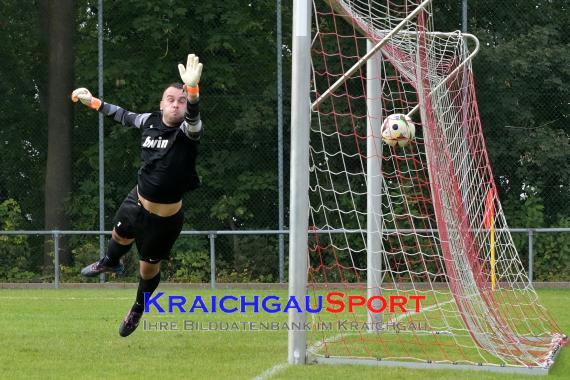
(15, 257)
(551, 255)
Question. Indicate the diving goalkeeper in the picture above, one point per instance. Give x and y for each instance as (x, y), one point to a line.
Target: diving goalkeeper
(151, 215)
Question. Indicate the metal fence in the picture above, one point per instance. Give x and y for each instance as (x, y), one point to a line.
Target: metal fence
(56, 236)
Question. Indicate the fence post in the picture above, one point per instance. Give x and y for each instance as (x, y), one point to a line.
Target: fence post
(56, 236)
(530, 254)
(212, 260)
(464, 19)
(280, 142)
(102, 276)
(101, 145)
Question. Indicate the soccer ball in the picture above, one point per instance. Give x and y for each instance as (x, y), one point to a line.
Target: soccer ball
(398, 129)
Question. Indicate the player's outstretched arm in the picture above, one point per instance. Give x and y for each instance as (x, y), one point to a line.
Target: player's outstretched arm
(190, 75)
(119, 114)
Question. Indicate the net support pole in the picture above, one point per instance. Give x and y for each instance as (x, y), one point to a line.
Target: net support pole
(299, 186)
(374, 183)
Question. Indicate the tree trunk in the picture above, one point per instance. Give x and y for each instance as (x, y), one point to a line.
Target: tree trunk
(61, 19)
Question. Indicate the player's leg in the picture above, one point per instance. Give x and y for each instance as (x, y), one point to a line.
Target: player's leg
(111, 263)
(153, 246)
(118, 247)
(121, 241)
(148, 282)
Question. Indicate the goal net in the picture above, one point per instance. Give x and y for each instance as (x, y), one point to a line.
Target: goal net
(419, 220)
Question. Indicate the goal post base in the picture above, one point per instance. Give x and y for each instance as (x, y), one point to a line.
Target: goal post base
(540, 371)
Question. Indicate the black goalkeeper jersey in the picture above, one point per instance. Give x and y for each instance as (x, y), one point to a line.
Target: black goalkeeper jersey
(168, 157)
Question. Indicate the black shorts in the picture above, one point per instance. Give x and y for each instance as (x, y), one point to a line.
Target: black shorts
(154, 235)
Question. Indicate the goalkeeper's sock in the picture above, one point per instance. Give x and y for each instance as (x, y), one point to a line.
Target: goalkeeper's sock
(145, 286)
(114, 253)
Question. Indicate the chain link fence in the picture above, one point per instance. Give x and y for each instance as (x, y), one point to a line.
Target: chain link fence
(523, 92)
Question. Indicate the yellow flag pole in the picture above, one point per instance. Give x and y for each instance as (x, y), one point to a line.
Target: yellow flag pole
(489, 220)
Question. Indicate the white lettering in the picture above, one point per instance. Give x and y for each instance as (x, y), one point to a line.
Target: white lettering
(152, 143)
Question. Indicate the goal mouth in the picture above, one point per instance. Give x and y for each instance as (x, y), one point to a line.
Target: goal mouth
(423, 219)
(435, 335)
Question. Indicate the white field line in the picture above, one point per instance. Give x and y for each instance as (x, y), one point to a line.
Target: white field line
(267, 374)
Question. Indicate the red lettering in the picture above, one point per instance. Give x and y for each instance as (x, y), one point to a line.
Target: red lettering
(372, 309)
(417, 298)
(351, 303)
(394, 303)
(335, 302)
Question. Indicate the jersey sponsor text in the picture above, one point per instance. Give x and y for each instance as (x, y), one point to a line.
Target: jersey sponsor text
(152, 143)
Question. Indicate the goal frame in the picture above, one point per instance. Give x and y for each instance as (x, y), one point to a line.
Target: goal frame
(301, 109)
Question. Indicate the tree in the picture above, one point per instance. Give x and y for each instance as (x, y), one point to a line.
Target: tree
(61, 18)
(523, 87)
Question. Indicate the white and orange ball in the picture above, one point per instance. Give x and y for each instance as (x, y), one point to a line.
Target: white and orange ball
(398, 129)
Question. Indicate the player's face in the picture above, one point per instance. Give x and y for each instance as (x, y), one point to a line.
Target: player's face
(173, 106)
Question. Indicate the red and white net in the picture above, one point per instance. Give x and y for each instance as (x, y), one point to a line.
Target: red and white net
(443, 232)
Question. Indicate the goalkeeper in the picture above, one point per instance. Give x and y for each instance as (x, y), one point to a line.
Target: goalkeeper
(151, 215)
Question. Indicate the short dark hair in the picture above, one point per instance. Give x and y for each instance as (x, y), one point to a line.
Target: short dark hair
(177, 85)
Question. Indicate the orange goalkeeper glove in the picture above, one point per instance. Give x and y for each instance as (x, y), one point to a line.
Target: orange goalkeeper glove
(84, 95)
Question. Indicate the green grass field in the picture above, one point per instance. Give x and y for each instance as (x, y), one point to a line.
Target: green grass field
(73, 334)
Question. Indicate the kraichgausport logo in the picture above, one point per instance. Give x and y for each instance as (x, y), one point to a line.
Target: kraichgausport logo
(336, 302)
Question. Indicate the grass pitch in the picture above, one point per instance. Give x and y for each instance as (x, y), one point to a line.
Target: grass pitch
(73, 333)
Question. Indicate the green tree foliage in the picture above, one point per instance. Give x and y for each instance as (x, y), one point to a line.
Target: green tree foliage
(23, 73)
(15, 260)
(523, 87)
(523, 84)
(523, 91)
(530, 86)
